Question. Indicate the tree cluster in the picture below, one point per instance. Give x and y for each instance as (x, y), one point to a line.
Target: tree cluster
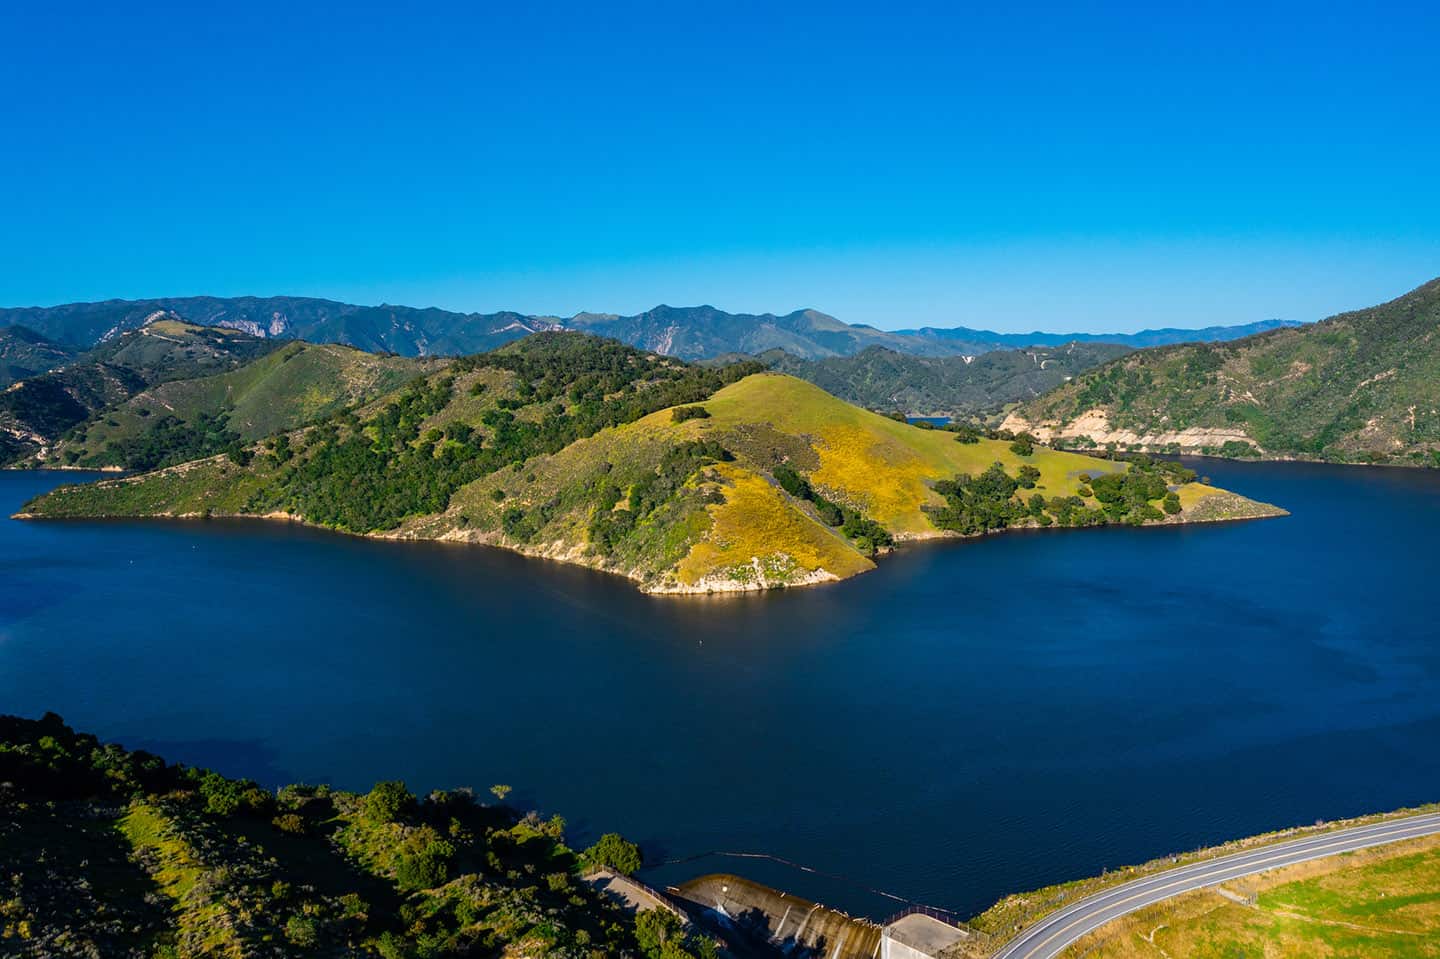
(865, 533)
(989, 501)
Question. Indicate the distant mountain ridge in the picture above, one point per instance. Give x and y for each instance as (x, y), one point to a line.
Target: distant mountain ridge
(377, 329)
(985, 340)
(690, 333)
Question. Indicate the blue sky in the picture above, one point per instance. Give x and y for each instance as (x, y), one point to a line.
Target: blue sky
(1013, 166)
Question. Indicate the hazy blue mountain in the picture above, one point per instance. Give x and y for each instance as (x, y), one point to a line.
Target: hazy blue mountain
(966, 340)
(692, 333)
(701, 332)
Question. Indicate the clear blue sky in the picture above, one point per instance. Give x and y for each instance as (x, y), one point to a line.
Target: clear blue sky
(1009, 166)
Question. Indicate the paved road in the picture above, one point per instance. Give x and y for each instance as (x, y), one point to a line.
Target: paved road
(1049, 937)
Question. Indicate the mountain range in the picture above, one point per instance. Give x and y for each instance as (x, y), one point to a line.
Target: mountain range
(689, 333)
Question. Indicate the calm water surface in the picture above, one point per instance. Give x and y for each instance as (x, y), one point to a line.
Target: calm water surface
(969, 720)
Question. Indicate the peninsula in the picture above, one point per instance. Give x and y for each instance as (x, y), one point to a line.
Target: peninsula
(685, 479)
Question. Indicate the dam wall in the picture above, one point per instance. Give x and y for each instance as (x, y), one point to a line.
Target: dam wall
(798, 928)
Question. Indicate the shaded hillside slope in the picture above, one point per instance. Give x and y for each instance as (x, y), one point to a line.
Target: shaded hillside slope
(1359, 387)
(571, 447)
(296, 384)
(36, 412)
(25, 353)
(956, 386)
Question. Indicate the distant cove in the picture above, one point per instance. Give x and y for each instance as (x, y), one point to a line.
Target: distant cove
(970, 719)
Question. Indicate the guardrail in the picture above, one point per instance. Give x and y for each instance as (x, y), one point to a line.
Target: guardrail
(664, 899)
(934, 912)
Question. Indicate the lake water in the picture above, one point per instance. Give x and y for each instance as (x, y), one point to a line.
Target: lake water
(970, 719)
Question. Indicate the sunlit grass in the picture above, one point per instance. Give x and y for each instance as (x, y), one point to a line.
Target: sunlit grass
(758, 523)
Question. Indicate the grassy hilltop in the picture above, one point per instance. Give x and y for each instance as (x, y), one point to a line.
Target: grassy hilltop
(684, 478)
(1358, 387)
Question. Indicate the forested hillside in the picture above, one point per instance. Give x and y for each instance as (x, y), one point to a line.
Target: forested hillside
(121, 855)
(1359, 387)
(684, 478)
(956, 386)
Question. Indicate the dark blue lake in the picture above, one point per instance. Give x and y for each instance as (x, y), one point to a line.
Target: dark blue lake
(971, 719)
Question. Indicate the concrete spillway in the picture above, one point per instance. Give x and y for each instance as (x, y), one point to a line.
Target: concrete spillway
(764, 916)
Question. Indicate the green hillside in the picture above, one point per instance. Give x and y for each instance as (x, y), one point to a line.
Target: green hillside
(684, 478)
(118, 854)
(36, 412)
(296, 384)
(1358, 387)
(955, 386)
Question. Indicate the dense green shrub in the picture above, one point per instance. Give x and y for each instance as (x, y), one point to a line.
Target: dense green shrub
(423, 861)
(388, 802)
(616, 852)
(966, 433)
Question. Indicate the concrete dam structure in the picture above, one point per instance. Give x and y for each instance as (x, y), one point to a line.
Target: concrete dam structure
(771, 923)
(766, 916)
